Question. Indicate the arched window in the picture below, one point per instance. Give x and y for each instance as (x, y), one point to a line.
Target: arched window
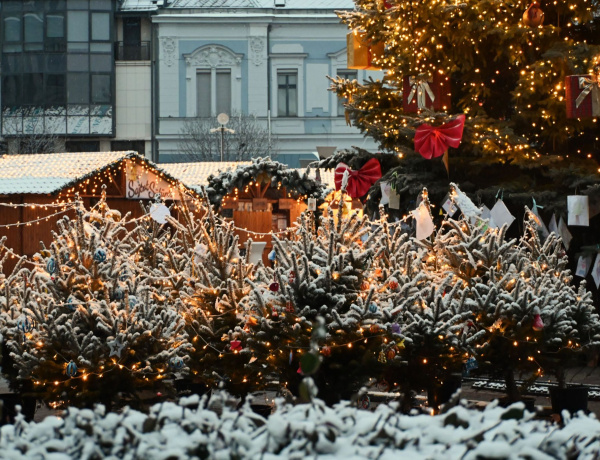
(213, 75)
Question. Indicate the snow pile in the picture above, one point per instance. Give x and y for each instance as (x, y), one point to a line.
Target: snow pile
(212, 428)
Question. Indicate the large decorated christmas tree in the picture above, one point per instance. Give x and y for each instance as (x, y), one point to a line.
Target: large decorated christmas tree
(524, 74)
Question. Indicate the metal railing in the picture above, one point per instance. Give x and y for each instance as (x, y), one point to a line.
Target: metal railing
(136, 52)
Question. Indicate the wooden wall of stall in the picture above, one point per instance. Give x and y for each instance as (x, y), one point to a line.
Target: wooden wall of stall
(25, 239)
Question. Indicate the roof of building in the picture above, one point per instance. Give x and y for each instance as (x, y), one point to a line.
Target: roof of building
(138, 5)
(150, 5)
(195, 175)
(52, 172)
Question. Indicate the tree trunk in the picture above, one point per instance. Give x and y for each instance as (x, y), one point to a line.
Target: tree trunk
(511, 387)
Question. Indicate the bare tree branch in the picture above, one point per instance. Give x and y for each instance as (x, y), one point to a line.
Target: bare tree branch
(27, 135)
(250, 140)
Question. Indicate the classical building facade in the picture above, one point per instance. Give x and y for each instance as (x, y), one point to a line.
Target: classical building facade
(127, 74)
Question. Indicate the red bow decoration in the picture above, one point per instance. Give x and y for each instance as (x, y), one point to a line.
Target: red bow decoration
(359, 182)
(432, 142)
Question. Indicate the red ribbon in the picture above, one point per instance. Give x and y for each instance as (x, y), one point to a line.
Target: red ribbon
(432, 142)
(359, 182)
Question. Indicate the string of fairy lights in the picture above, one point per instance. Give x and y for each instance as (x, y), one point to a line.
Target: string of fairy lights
(442, 38)
(77, 204)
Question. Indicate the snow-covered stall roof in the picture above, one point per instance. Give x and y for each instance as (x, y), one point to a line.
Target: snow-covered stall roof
(195, 175)
(51, 172)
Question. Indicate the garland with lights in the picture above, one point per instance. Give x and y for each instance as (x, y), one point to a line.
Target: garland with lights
(267, 172)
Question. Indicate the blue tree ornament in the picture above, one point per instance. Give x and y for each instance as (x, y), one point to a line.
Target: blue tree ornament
(125, 275)
(272, 255)
(100, 255)
(71, 369)
(51, 265)
(132, 301)
(25, 325)
(71, 303)
(372, 308)
(119, 293)
(176, 363)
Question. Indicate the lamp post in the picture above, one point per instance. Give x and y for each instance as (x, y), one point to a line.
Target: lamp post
(223, 119)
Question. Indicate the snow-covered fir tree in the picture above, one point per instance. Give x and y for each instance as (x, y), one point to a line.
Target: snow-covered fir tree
(325, 270)
(215, 280)
(89, 329)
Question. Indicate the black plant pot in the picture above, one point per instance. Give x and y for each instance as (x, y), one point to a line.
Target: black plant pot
(572, 399)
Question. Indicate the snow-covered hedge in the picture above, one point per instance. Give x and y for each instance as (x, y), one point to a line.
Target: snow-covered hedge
(212, 428)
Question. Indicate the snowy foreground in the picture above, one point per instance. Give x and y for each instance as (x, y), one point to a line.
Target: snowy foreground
(209, 428)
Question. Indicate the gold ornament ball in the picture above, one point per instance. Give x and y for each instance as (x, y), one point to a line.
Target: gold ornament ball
(533, 16)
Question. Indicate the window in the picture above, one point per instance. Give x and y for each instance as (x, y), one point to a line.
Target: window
(100, 26)
(11, 90)
(346, 75)
(82, 146)
(34, 31)
(101, 89)
(287, 94)
(55, 89)
(213, 99)
(78, 88)
(12, 28)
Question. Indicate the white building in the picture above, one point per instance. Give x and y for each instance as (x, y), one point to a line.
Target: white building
(126, 74)
(268, 58)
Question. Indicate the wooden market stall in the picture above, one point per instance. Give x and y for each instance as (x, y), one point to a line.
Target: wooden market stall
(37, 190)
(263, 198)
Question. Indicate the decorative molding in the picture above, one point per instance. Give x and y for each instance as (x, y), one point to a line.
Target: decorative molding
(168, 46)
(339, 57)
(257, 46)
(213, 56)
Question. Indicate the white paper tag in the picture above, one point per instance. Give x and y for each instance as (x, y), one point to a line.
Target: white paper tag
(449, 206)
(385, 192)
(579, 210)
(312, 204)
(425, 225)
(583, 265)
(596, 271)
(552, 227)
(394, 200)
(564, 233)
(501, 215)
(159, 213)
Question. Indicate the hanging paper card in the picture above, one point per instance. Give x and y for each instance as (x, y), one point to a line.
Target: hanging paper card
(385, 192)
(501, 215)
(467, 207)
(424, 223)
(596, 271)
(159, 213)
(394, 200)
(552, 227)
(486, 215)
(564, 233)
(583, 265)
(312, 204)
(449, 206)
(540, 223)
(578, 208)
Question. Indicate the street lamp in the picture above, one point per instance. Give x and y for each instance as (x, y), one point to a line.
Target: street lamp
(223, 119)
